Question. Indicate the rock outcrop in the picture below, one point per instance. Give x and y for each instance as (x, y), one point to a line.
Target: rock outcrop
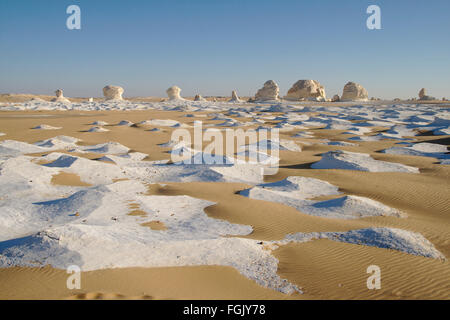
(268, 92)
(335, 98)
(423, 95)
(354, 92)
(174, 93)
(199, 97)
(113, 93)
(306, 90)
(60, 97)
(234, 97)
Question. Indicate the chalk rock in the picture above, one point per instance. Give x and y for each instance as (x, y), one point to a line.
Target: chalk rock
(234, 97)
(60, 97)
(113, 93)
(423, 95)
(199, 97)
(306, 90)
(335, 98)
(174, 93)
(354, 92)
(269, 91)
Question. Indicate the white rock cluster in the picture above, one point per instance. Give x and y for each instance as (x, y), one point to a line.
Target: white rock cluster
(306, 90)
(113, 92)
(423, 95)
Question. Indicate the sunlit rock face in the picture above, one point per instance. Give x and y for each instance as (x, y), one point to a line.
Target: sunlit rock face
(269, 91)
(60, 97)
(306, 90)
(174, 93)
(354, 92)
(113, 92)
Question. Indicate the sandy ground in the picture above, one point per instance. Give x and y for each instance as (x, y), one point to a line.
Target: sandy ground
(323, 268)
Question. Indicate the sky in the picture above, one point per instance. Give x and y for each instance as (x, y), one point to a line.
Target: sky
(212, 47)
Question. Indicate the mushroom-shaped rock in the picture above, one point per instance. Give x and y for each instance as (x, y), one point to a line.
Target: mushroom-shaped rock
(234, 97)
(199, 97)
(354, 92)
(269, 91)
(306, 90)
(113, 93)
(60, 97)
(423, 95)
(174, 93)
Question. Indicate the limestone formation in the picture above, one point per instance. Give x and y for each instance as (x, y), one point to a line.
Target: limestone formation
(174, 93)
(423, 95)
(268, 92)
(234, 97)
(306, 90)
(335, 98)
(354, 92)
(60, 97)
(113, 93)
(199, 97)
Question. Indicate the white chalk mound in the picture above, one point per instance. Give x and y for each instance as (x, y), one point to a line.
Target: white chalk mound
(60, 97)
(387, 238)
(45, 127)
(113, 93)
(268, 92)
(354, 92)
(174, 93)
(296, 192)
(306, 90)
(359, 161)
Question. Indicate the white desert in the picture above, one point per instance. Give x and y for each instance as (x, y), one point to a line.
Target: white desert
(93, 183)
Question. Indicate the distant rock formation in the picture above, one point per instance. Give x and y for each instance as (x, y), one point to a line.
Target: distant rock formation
(174, 93)
(269, 91)
(113, 93)
(354, 92)
(306, 90)
(234, 97)
(199, 97)
(60, 97)
(335, 98)
(423, 95)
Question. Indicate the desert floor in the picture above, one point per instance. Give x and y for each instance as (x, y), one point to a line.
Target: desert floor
(323, 269)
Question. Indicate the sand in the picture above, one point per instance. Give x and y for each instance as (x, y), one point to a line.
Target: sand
(323, 269)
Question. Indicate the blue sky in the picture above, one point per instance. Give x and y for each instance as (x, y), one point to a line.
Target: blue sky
(215, 46)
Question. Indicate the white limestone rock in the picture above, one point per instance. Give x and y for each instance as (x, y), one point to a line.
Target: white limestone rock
(268, 92)
(234, 97)
(335, 98)
(174, 93)
(60, 97)
(306, 90)
(354, 92)
(423, 95)
(199, 97)
(113, 93)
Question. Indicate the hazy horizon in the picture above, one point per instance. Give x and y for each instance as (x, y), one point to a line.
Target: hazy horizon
(214, 47)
